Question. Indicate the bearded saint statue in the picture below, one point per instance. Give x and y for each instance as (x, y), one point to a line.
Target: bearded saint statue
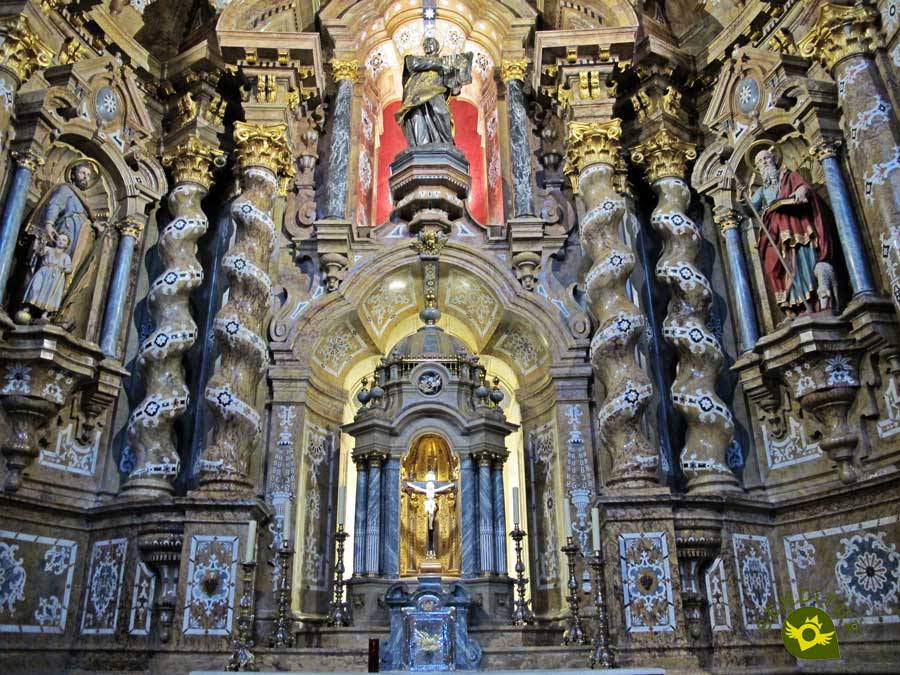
(799, 223)
(428, 83)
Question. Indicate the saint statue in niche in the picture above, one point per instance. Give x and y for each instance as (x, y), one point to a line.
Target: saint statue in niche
(428, 83)
(63, 247)
(795, 242)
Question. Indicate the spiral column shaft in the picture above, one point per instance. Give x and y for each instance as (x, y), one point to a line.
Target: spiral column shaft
(150, 427)
(710, 426)
(592, 151)
(263, 156)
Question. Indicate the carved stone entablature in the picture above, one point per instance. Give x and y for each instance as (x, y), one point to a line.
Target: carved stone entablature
(574, 69)
(816, 359)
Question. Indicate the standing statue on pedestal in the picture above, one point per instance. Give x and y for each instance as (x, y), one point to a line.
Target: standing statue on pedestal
(795, 244)
(63, 228)
(428, 83)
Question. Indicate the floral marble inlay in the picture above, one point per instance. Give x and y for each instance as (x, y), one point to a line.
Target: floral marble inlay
(473, 301)
(211, 578)
(391, 298)
(857, 562)
(646, 582)
(523, 348)
(543, 455)
(70, 455)
(756, 582)
(36, 576)
(104, 587)
(793, 448)
(338, 348)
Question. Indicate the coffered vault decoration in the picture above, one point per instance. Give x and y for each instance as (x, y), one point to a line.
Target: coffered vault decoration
(263, 366)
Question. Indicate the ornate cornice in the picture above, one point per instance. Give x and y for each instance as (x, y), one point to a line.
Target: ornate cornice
(842, 31)
(263, 146)
(592, 143)
(345, 70)
(192, 162)
(21, 52)
(664, 156)
(513, 69)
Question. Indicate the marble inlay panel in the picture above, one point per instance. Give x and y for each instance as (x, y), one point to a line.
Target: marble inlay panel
(717, 596)
(211, 578)
(756, 582)
(646, 582)
(793, 448)
(854, 570)
(542, 445)
(35, 582)
(70, 455)
(141, 600)
(103, 590)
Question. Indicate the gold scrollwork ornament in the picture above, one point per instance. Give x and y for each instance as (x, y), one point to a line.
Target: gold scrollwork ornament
(192, 162)
(664, 155)
(513, 69)
(842, 31)
(21, 52)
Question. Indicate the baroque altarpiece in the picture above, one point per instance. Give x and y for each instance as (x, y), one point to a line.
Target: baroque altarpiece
(306, 306)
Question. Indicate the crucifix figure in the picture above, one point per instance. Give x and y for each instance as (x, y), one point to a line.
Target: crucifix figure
(431, 487)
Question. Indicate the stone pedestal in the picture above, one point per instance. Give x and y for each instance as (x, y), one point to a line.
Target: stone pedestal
(429, 185)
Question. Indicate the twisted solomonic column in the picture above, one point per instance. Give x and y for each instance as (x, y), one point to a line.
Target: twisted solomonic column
(263, 156)
(710, 426)
(150, 434)
(592, 150)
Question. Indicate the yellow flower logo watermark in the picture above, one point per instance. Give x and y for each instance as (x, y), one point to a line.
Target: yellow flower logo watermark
(808, 633)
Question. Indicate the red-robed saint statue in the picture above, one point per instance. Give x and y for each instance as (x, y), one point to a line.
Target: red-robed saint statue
(799, 270)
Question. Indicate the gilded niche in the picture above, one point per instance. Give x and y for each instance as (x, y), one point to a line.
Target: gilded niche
(423, 524)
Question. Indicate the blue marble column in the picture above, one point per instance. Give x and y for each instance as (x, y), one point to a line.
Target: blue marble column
(339, 158)
(129, 231)
(486, 514)
(391, 540)
(13, 212)
(848, 229)
(373, 519)
(359, 522)
(468, 488)
(519, 148)
(499, 518)
(740, 282)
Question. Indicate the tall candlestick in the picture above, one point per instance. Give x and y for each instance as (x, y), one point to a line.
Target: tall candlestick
(515, 501)
(595, 527)
(286, 529)
(342, 504)
(250, 550)
(567, 519)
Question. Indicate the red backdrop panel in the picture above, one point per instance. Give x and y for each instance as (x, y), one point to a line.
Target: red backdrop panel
(465, 115)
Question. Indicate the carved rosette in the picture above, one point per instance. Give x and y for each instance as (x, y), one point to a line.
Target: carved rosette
(263, 158)
(710, 426)
(592, 152)
(150, 434)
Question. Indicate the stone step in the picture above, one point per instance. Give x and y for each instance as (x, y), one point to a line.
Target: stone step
(568, 671)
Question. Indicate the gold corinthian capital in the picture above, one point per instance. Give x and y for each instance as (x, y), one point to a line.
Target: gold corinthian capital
(192, 162)
(344, 70)
(264, 146)
(513, 69)
(842, 31)
(592, 143)
(664, 156)
(21, 52)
